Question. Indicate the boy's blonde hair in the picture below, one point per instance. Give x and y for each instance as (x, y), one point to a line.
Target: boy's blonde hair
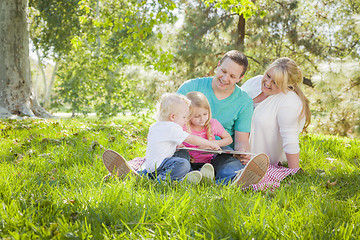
(169, 103)
(199, 100)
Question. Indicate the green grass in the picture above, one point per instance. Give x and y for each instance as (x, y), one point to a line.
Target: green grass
(52, 187)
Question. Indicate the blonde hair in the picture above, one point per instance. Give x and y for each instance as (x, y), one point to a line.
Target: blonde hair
(169, 103)
(199, 100)
(287, 75)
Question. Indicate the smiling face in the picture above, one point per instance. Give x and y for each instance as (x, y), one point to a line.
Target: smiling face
(199, 117)
(227, 75)
(268, 85)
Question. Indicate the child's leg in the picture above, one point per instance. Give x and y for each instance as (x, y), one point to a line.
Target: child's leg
(175, 167)
(182, 154)
(196, 166)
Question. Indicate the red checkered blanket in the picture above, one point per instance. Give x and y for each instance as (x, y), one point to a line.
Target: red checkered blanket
(271, 180)
(273, 177)
(136, 163)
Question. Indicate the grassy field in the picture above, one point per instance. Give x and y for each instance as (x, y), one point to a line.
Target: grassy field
(52, 187)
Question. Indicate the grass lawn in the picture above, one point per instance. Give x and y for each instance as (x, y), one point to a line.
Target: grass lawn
(52, 187)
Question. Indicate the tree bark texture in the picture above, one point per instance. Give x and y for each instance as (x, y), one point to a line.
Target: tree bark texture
(240, 41)
(16, 96)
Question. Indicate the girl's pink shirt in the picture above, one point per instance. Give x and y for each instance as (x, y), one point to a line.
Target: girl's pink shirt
(217, 130)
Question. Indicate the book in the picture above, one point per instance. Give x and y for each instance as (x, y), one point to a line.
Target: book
(212, 151)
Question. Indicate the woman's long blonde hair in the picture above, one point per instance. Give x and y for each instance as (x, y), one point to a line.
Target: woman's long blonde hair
(287, 75)
(199, 100)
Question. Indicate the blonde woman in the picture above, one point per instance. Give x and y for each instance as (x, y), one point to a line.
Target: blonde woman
(281, 112)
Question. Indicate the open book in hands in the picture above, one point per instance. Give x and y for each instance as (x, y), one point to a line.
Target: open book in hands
(208, 151)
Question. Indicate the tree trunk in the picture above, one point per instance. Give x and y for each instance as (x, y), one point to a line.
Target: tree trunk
(16, 96)
(42, 70)
(49, 88)
(240, 41)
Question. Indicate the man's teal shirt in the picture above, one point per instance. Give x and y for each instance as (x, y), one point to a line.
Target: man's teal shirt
(234, 112)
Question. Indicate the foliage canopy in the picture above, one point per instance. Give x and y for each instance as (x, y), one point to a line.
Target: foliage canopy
(98, 41)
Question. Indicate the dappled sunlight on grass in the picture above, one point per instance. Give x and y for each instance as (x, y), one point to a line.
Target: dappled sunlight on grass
(52, 186)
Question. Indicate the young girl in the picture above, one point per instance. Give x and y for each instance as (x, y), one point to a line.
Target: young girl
(163, 138)
(201, 124)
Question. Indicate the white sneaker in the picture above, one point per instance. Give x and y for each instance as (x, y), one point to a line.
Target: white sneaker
(253, 172)
(208, 172)
(117, 165)
(193, 177)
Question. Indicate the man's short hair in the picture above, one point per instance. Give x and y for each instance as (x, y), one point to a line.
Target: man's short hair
(237, 57)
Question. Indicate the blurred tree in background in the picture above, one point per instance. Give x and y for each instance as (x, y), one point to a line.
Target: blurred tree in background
(313, 33)
(53, 24)
(117, 57)
(101, 39)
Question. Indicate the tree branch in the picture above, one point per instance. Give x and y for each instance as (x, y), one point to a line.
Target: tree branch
(308, 82)
(220, 21)
(256, 61)
(223, 17)
(343, 48)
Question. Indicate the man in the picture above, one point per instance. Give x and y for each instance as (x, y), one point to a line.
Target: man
(233, 108)
(230, 105)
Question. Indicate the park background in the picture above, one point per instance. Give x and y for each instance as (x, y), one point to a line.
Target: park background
(114, 59)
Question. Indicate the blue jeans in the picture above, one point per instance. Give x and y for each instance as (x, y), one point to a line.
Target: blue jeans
(225, 166)
(175, 167)
(185, 154)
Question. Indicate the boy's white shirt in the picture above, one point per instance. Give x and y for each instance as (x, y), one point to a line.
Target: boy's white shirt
(162, 140)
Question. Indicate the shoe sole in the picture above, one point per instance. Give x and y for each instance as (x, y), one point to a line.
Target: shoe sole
(207, 171)
(254, 171)
(193, 177)
(116, 164)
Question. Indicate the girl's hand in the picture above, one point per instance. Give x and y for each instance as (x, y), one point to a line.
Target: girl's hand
(214, 145)
(180, 146)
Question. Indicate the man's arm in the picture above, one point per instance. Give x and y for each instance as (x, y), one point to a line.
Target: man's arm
(241, 141)
(242, 144)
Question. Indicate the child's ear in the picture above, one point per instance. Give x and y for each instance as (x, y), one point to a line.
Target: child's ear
(172, 117)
